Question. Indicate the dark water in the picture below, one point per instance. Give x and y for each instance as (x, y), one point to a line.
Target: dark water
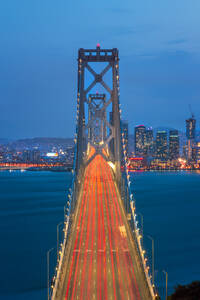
(170, 204)
(31, 206)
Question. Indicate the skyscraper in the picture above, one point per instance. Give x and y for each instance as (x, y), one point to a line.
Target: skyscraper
(149, 141)
(140, 141)
(173, 144)
(190, 134)
(161, 145)
(31, 156)
(198, 152)
(190, 128)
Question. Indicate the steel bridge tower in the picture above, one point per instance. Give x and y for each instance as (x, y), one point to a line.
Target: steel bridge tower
(111, 132)
(100, 229)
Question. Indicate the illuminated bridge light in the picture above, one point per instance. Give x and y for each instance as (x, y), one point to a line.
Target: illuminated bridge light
(101, 255)
(101, 228)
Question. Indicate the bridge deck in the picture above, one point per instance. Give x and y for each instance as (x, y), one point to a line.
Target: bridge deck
(101, 260)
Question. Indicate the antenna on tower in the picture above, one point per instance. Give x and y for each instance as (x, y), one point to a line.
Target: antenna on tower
(190, 108)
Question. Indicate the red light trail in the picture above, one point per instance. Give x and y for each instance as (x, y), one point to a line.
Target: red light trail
(101, 253)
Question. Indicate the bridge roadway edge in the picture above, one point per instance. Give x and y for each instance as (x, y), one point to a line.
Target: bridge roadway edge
(60, 287)
(61, 284)
(134, 244)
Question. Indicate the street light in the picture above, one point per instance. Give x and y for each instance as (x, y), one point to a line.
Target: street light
(58, 227)
(166, 274)
(48, 253)
(152, 240)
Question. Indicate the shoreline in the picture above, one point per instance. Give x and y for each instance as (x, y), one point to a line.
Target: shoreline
(69, 169)
(37, 169)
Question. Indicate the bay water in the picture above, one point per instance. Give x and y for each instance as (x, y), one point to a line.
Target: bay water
(32, 205)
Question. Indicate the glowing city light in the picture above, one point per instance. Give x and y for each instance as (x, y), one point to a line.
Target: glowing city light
(52, 154)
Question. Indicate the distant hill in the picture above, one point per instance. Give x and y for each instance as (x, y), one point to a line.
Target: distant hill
(46, 144)
(4, 141)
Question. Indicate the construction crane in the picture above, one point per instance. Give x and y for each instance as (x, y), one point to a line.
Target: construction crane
(190, 108)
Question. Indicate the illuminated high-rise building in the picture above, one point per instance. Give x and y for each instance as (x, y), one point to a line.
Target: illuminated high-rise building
(173, 144)
(161, 145)
(190, 128)
(190, 134)
(140, 141)
(198, 152)
(149, 141)
(194, 153)
(31, 156)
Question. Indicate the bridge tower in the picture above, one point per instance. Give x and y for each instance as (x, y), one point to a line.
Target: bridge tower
(95, 186)
(96, 120)
(111, 132)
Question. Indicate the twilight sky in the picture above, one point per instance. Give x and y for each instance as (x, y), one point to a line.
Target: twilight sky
(159, 46)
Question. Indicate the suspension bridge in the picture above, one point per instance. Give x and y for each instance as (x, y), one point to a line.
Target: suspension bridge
(101, 255)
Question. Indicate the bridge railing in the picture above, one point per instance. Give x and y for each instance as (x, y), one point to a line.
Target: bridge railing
(141, 252)
(129, 204)
(62, 247)
(71, 203)
(68, 218)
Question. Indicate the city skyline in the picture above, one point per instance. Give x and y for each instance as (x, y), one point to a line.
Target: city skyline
(131, 133)
(159, 64)
(100, 149)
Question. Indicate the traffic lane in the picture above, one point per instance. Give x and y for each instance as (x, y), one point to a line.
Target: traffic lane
(126, 286)
(113, 274)
(112, 293)
(123, 242)
(82, 211)
(87, 247)
(85, 289)
(137, 270)
(84, 249)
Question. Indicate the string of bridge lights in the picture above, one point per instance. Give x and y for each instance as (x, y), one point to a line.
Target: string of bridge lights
(130, 197)
(62, 246)
(67, 211)
(134, 215)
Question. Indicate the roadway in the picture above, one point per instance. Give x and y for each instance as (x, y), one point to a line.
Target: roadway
(101, 260)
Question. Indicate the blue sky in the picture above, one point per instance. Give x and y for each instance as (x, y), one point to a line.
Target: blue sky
(159, 45)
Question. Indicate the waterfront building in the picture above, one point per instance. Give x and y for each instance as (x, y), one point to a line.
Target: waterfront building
(161, 145)
(31, 156)
(194, 153)
(140, 141)
(36, 156)
(137, 163)
(159, 164)
(149, 141)
(190, 128)
(173, 144)
(184, 150)
(190, 134)
(198, 152)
